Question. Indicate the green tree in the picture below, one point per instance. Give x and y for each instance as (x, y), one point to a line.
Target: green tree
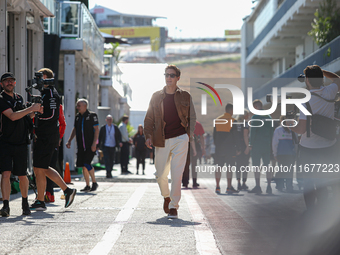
(326, 24)
(114, 51)
(130, 129)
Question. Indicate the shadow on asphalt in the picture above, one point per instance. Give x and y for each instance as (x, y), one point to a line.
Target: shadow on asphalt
(49, 205)
(26, 218)
(231, 195)
(173, 222)
(292, 192)
(86, 193)
(184, 188)
(266, 195)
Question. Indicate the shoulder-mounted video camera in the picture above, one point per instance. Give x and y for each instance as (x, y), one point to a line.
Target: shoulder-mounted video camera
(301, 78)
(39, 83)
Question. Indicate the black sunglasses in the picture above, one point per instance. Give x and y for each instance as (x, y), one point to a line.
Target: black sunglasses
(172, 75)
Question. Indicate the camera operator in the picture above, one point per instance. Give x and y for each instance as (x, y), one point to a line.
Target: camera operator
(45, 142)
(314, 148)
(13, 141)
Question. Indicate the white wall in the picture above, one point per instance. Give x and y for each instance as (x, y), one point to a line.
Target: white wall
(299, 53)
(256, 75)
(246, 39)
(136, 118)
(264, 17)
(310, 46)
(277, 68)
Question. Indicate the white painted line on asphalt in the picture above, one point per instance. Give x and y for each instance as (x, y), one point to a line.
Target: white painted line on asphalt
(205, 240)
(112, 234)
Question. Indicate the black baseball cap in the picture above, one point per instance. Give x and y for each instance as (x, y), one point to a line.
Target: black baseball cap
(7, 75)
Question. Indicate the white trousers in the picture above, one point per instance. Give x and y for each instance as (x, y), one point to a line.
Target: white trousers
(172, 158)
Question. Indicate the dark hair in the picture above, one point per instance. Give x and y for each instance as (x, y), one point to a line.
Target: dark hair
(125, 117)
(48, 72)
(140, 125)
(257, 102)
(315, 75)
(173, 67)
(229, 107)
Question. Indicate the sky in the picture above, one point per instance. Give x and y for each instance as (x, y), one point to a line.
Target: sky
(187, 18)
(144, 79)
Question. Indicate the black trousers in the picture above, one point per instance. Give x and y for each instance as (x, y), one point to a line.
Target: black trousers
(315, 183)
(282, 176)
(124, 157)
(242, 160)
(109, 157)
(50, 183)
(140, 156)
(191, 159)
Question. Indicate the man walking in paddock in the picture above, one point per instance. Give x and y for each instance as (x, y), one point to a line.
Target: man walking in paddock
(169, 122)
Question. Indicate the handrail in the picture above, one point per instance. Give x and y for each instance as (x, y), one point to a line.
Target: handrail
(321, 57)
(286, 5)
(76, 22)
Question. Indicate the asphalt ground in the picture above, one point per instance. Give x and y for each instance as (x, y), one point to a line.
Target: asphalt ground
(125, 216)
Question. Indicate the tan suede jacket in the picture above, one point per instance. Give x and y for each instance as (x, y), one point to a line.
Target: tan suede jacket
(154, 122)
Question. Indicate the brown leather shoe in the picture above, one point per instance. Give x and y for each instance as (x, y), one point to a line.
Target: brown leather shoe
(173, 214)
(167, 201)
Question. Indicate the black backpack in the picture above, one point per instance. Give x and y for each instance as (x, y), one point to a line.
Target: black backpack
(321, 125)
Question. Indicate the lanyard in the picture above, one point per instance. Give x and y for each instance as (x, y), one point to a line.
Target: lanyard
(109, 128)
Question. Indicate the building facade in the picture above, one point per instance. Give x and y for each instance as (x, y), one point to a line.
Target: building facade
(22, 38)
(276, 46)
(105, 17)
(114, 94)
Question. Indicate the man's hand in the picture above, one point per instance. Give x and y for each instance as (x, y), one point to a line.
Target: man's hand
(148, 143)
(59, 142)
(193, 147)
(203, 151)
(32, 115)
(37, 108)
(120, 145)
(246, 151)
(41, 109)
(94, 147)
(68, 144)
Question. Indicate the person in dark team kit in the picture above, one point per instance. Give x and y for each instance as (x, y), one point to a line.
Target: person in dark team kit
(260, 143)
(86, 131)
(242, 160)
(140, 147)
(45, 141)
(49, 195)
(191, 159)
(13, 141)
(227, 147)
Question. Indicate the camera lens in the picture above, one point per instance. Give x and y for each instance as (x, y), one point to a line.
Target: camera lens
(301, 78)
